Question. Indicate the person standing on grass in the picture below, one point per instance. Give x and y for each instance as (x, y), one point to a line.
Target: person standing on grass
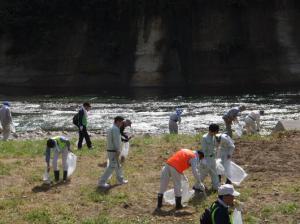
(59, 145)
(82, 126)
(231, 116)
(226, 149)
(113, 154)
(6, 120)
(174, 118)
(209, 148)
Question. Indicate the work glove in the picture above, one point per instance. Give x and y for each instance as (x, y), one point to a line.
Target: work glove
(81, 128)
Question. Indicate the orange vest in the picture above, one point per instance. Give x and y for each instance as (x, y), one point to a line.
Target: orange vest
(180, 160)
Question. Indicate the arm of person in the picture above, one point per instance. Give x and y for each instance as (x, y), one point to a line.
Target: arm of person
(179, 119)
(47, 158)
(231, 147)
(9, 116)
(116, 140)
(196, 173)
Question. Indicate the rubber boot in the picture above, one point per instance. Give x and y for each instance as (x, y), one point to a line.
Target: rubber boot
(65, 176)
(178, 203)
(56, 175)
(220, 178)
(159, 200)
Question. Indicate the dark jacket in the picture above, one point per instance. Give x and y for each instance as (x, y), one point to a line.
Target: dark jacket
(124, 136)
(220, 214)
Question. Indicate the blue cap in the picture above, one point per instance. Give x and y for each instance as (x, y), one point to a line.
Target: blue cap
(6, 103)
(179, 111)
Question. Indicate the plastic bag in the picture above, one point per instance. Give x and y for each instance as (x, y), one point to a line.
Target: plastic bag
(238, 129)
(220, 167)
(186, 194)
(46, 177)
(71, 161)
(125, 149)
(235, 173)
(237, 217)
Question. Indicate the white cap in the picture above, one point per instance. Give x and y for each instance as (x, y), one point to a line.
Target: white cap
(227, 189)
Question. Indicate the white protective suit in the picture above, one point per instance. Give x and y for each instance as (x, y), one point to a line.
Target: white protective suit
(252, 122)
(170, 172)
(209, 146)
(6, 121)
(226, 149)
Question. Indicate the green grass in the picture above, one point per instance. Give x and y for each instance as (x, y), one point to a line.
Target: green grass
(38, 216)
(80, 202)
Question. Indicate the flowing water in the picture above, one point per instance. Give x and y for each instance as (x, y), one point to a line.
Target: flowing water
(149, 114)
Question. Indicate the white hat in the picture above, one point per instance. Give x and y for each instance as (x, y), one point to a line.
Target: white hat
(227, 189)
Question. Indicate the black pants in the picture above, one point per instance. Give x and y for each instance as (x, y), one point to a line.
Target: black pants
(84, 134)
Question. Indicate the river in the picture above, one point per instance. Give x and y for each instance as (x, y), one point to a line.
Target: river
(148, 114)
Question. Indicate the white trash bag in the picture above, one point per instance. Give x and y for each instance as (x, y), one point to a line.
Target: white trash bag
(237, 217)
(125, 149)
(46, 177)
(220, 167)
(235, 173)
(71, 161)
(239, 129)
(169, 196)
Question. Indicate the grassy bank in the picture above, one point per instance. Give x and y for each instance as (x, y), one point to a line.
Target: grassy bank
(24, 199)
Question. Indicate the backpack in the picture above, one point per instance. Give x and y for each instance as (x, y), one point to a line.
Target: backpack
(76, 119)
(206, 216)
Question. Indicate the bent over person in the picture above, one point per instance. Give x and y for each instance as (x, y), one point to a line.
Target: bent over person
(176, 164)
(113, 154)
(252, 121)
(59, 145)
(231, 116)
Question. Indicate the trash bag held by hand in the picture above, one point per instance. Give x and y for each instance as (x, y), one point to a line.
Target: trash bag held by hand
(239, 129)
(71, 161)
(220, 167)
(169, 196)
(236, 174)
(46, 177)
(125, 149)
(237, 217)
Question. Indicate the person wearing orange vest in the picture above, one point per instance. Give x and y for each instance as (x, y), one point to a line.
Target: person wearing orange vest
(174, 168)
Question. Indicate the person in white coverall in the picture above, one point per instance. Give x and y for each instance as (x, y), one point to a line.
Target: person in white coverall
(209, 148)
(174, 118)
(226, 149)
(252, 121)
(6, 120)
(174, 168)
